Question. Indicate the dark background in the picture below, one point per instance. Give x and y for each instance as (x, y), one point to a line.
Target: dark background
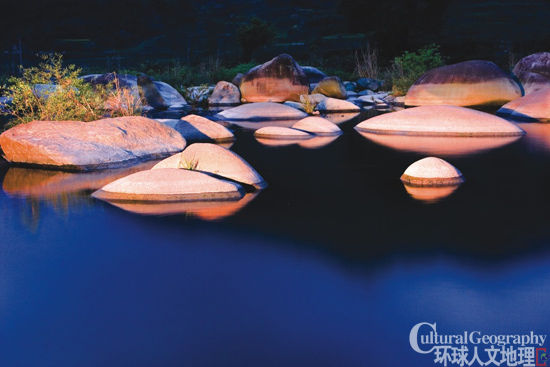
(113, 32)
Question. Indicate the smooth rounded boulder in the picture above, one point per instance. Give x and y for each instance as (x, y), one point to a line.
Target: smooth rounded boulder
(441, 121)
(432, 171)
(262, 111)
(533, 72)
(212, 158)
(331, 87)
(469, 83)
(196, 128)
(336, 105)
(169, 184)
(278, 132)
(225, 94)
(278, 80)
(75, 145)
(532, 107)
(318, 126)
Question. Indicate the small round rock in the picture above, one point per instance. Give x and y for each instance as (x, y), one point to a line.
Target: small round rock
(432, 171)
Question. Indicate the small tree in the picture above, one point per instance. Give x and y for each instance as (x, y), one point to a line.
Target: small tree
(254, 34)
(410, 66)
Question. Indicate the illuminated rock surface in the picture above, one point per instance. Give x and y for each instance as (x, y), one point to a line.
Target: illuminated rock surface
(432, 171)
(90, 145)
(197, 128)
(212, 158)
(225, 94)
(276, 132)
(440, 120)
(532, 107)
(169, 184)
(469, 83)
(331, 87)
(278, 80)
(318, 126)
(336, 105)
(261, 112)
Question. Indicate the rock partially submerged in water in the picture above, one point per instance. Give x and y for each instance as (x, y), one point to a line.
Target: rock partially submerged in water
(432, 171)
(169, 184)
(75, 145)
(261, 112)
(278, 132)
(196, 128)
(278, 80)
(331, 87)
(225, 94)
(336, 105)
(211, 158)
(469, 83)
(318, 126)
(440, 120)
(534, 71)
(532, 107)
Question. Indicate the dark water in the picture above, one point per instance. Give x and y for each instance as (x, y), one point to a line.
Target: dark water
(331, 265)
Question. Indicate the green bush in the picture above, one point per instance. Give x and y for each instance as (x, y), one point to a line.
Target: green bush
(407, 68)
(53, 92)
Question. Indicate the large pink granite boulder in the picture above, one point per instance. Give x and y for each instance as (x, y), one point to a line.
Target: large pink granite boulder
(469, 83)
(97, 144)
(440, 121)
(278, 80)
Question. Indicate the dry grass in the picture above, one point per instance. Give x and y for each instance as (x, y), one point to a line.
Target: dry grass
(122, 102)
(366, 63)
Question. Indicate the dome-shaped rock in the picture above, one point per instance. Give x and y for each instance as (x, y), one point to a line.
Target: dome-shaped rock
(331, 87)
(212, 158)
(533, 71)
(318, 126)
(336, 105)
(278, 132)
(432, 171)
(197, 128)
(278, 80)
(532, 107)
(440, 120)
(469, 83)
(225, 94)
(105, 143)
(169, 184)
(261, 112)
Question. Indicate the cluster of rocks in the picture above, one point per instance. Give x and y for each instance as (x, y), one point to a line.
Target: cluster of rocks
(202, 172)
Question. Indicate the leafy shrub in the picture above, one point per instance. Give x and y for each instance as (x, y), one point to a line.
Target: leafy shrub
(53, 92)
(410, 66)
(121, 101)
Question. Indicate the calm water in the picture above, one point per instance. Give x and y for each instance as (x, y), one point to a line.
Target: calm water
(331, 265)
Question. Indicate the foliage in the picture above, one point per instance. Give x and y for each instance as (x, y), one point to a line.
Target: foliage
(121, 101)
(407, 68)
(53, 92)
(254, 34)
(188, 164)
